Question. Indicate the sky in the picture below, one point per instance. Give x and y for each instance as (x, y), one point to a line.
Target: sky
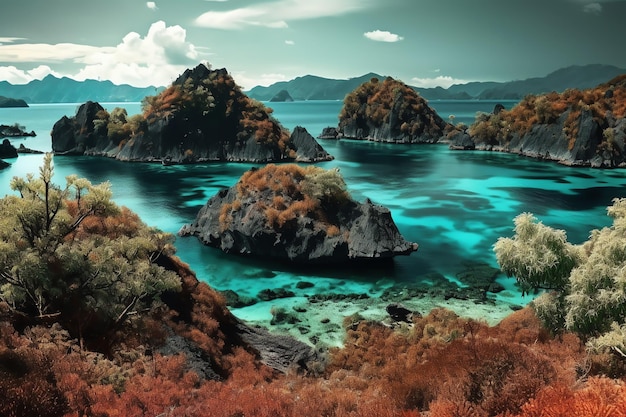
(424, 43)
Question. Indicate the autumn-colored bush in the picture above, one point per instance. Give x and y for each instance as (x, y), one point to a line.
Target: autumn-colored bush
(548, 108)
(296, 192)
(372, 103)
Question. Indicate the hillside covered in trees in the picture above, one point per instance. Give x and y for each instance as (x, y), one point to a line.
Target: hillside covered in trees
(389, 111)
(576, 127)
(99, 318)
(202, 116)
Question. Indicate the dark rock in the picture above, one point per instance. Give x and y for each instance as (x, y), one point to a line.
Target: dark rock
(197, 360)
(325, 321)
(237, 301)
(365, 231)
(282, 316)
(7, 150)
(498, 108)
(317, 298)
(282, 96)
(4, 164)
(15, 131)
(398, 312)
(496, 287)
(25, 150)
(301, 285)
(308, 150)
(329, 132)
(461, 140)
(279, 352)
(269, 295)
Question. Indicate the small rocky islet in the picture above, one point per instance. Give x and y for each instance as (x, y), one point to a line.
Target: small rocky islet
(297, 214)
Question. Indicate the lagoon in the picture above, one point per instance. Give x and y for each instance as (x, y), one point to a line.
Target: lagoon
(454, 204)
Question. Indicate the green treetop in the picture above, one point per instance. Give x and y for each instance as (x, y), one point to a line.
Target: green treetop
(72, 255)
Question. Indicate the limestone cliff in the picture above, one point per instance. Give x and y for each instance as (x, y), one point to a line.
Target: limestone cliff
(202, 116)
(298, 214)
(578, 128)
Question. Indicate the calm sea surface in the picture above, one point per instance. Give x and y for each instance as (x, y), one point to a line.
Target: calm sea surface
(454, 204)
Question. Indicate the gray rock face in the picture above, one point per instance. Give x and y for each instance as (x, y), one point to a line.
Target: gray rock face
(308, 150)
(366, 231)
(548, 141)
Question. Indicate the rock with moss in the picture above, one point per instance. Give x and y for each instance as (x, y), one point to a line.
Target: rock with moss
(299, 214)
(389, 111)
(575, 127)
(202, 116)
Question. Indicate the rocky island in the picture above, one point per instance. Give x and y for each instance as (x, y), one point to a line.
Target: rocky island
(282, 96)
(12, 102)
(576, 127)
(203, 116)
(303, 215)
(388, 111)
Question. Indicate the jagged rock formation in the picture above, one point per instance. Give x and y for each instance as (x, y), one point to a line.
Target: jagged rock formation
(7, 150)
(298, 214)
(578, 128)
(389, 111)
(202, 116)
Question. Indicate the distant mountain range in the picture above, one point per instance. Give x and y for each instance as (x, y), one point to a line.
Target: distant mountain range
(311, 87)
(65, 90)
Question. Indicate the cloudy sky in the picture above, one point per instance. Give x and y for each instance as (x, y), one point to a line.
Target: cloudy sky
(422, 42)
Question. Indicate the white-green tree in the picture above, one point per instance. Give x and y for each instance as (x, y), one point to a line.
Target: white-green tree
(50, 267)
(587, 282)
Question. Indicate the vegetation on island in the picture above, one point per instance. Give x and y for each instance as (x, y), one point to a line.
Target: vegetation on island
(90, 299)
(296, 192)
(201, 115)
(390, 102)
(606, 102)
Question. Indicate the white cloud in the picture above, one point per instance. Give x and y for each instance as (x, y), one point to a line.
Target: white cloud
(383, 36)
(288, 42)
(593, 8)
(276, 14)
(438, 81)
(17, 76)
(151, 5)
(156, 59)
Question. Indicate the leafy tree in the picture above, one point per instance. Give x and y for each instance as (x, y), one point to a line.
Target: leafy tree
(589, 280)
(51, 267)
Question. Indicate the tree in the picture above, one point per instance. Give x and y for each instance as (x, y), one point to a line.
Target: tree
(51, 266)
(589, 280)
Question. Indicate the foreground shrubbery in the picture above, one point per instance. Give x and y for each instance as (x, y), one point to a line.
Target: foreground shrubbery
(135, 296)
(586, 283)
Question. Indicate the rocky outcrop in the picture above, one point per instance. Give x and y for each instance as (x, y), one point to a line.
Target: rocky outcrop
(575, 128)
(282, 96)
(12, 102)
(329, 132)
(203, 116)
(7, 150)
(389, 111)
(15, 131)
(307, 148)
(299, 215)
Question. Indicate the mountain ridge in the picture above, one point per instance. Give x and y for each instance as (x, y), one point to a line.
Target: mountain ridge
(52, 89)
(310, 87)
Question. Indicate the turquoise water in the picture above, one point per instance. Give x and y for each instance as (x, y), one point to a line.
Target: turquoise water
(454, 204)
